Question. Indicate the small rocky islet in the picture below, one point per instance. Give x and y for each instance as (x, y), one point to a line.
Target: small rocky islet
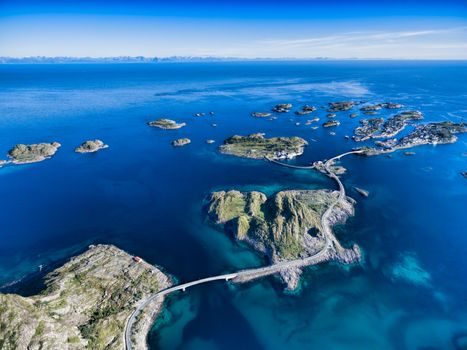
(257, 146)
(181, 142)
(166, 124)
(91, 146)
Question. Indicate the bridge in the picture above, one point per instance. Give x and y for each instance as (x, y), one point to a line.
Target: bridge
(331, 246)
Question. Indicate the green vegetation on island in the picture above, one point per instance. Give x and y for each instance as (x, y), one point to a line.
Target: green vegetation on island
(85, 305)
(22, 154)
(257, 146)
(284, 226)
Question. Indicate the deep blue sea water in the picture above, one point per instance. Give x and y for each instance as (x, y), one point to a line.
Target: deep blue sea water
(146, 196)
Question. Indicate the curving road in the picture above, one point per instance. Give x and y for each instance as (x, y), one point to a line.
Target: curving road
(331, 243)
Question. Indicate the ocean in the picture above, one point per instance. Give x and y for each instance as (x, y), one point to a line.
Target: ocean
(147, 197)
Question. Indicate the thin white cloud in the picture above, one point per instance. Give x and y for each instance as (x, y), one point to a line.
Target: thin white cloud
(355, 36)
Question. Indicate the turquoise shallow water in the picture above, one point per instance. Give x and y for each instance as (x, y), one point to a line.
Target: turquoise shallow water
(146, 197)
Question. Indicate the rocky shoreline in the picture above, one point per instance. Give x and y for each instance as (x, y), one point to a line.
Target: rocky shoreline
(85, 304)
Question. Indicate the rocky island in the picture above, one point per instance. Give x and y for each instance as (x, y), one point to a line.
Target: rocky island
(378, 128)
(284, 227)
(166, 124)
(181, 142)
(91, 146)
(85, 305)
(331, 123)
(23, 154)
(257, 146)
(367, 128)
(341, 106)
(282, 108)
(260, 114)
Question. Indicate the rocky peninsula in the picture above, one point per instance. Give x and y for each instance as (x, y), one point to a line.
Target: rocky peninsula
(257, 146)
(85, 304)
(23, 154)
(284, 227)
(166, 124)
(91, 146)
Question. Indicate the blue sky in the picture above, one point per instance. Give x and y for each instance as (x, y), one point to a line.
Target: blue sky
(301, 29)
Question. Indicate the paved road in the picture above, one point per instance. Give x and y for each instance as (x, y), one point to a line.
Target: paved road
(290, 165)
(331, 243)
(146, 302)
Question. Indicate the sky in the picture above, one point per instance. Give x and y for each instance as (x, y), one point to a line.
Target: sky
(410, 29)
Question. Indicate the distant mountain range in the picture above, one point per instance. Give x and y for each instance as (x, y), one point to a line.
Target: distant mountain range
(132, 59)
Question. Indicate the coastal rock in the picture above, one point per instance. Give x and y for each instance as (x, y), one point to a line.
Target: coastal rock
(91, 146)
(371, 108)
(361, 192)
(341, 106)
(181, 142)
(353, 115)
(331, 115)
(85, 304)
(282, 108)
(166, 124)
(308, 108)
(260, 114)
(331, 123)
(257, 146)
(464, 174)
(22, 154)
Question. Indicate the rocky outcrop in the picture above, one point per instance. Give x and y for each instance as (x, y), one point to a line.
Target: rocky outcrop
(341, 106)
(85, 304)
(260, 114)
(166, 124)
(181, 142)
(91, 146)
(331, 123)
(22, 154)
(282, 108)
(257, 146)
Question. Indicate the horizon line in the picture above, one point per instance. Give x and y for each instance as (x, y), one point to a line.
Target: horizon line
(155, 59)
